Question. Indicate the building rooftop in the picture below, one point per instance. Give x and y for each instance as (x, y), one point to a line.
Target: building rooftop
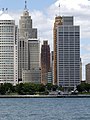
(5, 16)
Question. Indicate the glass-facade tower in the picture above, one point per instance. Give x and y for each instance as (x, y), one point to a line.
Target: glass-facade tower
(68, 54)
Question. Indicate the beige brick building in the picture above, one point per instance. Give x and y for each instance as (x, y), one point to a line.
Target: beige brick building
(88, 73)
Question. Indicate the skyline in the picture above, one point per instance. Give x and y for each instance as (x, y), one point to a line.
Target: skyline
(46, 12)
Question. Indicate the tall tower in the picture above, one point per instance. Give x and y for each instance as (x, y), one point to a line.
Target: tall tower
(68, 54)
(45, 61)
(25, 25)
(33, 54)
(26, 31)
(58, 21)
(8, 49)
(80, 69)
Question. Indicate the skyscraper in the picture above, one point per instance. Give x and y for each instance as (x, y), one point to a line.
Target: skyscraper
(80, 69)
(68, 54)
(8, 49)
(33, 53)
(26, 31)
(45, 61)
(88, 73)
(33, 73)
(58, 21)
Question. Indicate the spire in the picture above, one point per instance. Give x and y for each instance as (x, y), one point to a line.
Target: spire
(25, 5)
(59, 9)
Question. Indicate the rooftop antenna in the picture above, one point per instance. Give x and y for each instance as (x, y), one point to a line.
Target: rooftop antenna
(25, 5)
(6, 9)
(3, 9)
(59, 9)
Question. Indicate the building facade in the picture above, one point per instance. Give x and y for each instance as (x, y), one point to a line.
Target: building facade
(50, 76)
(26, 31)
(8, 49)
(33, 53)
(33, 76)
(80, 69)
(45, 61)
(68, 54)
(88, 73)
(58, 21)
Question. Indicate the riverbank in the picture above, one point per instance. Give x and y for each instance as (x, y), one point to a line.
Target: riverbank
(44, 96)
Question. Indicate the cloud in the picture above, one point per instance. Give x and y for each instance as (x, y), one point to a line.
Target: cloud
(86, 48)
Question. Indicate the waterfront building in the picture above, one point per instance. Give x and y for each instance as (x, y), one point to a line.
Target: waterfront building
(88, 73)
(8, 49)
(26, 31)
(50, 76)
(51, 59)
(45, 61)
(80, 69)
(33, 53)
(68, 53)
(51, 66)
(33, 75)
(58, 21)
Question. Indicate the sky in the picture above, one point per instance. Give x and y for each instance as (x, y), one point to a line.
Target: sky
(43, 13)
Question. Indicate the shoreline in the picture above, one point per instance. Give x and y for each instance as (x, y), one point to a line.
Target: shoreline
(44, 96)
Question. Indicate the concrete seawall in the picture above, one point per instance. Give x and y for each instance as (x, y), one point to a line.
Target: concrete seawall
(44, 96)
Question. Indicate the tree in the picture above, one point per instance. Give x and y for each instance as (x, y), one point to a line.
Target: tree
(20, 89)
(2, 89)
(49, 86)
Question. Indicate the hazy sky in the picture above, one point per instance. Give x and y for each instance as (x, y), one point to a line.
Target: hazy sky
(43, 13)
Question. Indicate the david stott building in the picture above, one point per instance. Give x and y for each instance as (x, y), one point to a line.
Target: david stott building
(26, 31)
(68, 53)
(8, 49)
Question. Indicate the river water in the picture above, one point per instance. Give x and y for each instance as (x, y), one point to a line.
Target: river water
(44, 108)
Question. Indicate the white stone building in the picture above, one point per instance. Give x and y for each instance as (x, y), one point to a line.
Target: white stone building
(8, 49)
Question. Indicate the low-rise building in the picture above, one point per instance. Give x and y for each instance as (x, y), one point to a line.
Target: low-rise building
(33, 75)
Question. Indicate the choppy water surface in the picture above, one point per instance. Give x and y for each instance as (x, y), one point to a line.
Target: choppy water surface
(44, 108)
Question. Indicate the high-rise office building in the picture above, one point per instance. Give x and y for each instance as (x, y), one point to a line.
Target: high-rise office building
(88, 73)
(45, 61)
(33, 53)
(51, 67)
(80, 69)
(33, 73)
(68, 53)
(58, 21)
(26, 31)
(8, 49)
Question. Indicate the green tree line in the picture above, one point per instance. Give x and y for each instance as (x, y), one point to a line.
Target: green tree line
(26, 88)
(83, 87)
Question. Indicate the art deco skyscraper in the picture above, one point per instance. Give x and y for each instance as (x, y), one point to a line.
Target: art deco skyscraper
(8, 49)
(26, 31)
(25, 25)
(45, 61)
(68, 54)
